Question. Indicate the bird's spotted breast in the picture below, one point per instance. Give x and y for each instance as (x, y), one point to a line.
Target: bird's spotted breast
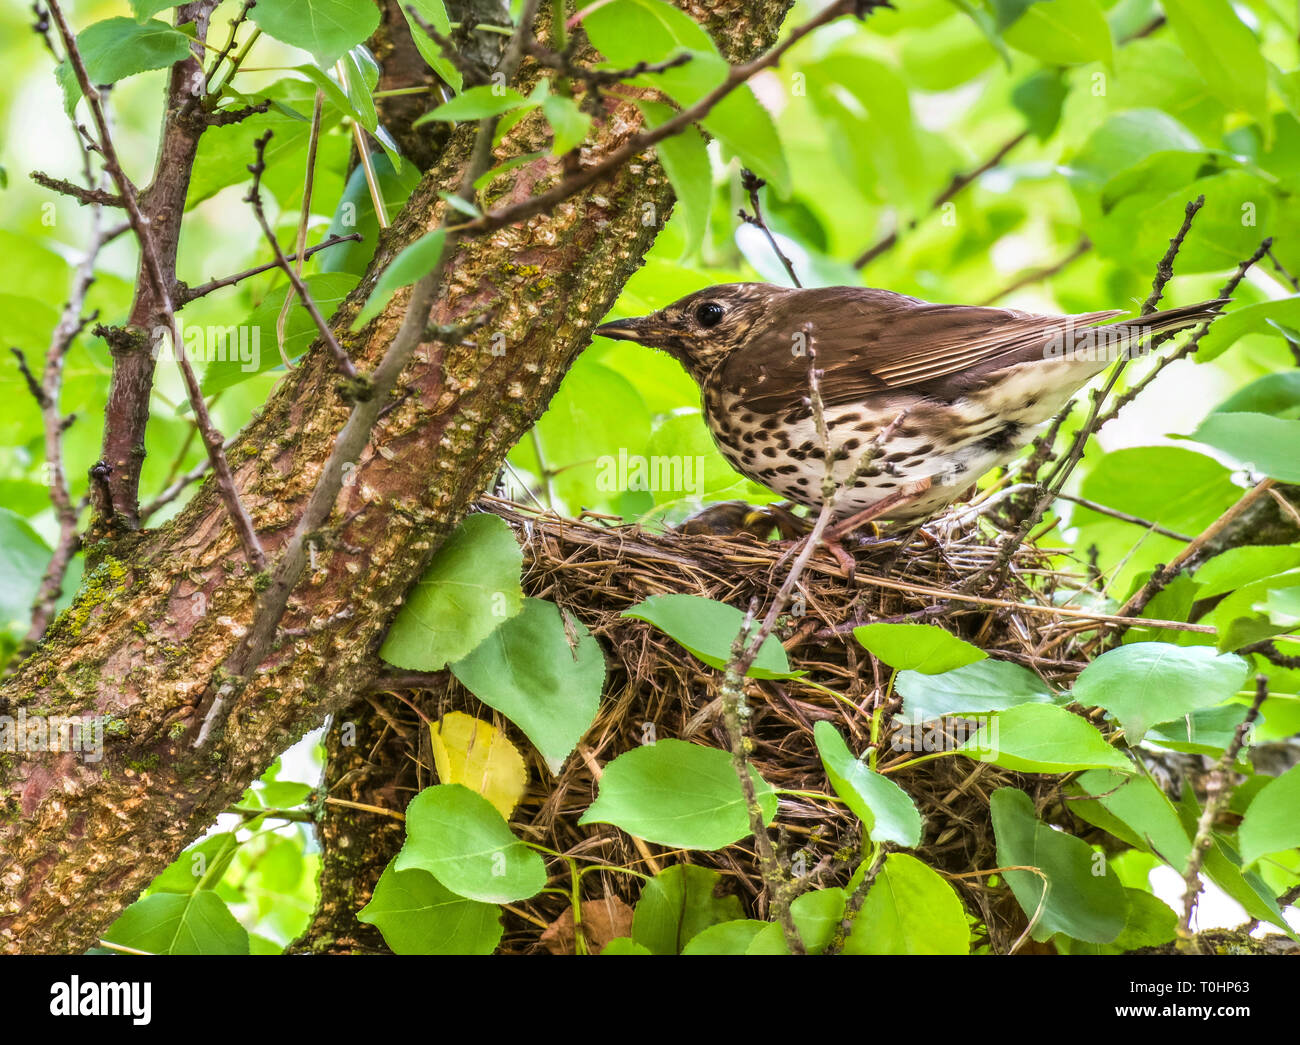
(949, 444)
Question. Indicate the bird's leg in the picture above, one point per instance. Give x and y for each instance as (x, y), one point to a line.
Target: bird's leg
(833, 536)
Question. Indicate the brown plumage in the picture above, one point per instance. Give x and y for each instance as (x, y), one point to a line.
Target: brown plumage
(964, 387)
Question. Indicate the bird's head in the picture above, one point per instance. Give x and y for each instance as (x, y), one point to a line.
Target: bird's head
(701, 329)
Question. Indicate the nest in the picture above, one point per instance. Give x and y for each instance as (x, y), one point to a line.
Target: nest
(596, 571)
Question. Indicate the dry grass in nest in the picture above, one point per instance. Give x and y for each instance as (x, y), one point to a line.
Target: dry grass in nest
(596, 572)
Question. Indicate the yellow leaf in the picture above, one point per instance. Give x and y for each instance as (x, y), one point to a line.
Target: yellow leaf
(469, 751)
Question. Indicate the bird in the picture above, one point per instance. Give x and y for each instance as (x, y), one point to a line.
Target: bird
(919, 399)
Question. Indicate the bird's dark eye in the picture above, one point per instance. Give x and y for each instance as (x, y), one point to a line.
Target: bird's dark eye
(709, 314)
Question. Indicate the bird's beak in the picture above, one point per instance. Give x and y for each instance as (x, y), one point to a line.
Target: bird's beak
(646, 330)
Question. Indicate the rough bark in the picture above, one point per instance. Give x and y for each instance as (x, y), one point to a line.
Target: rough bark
(158, 615)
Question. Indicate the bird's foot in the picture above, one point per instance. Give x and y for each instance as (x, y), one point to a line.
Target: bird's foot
(833, 536)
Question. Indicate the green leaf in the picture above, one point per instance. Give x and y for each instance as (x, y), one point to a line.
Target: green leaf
(225, 152)
(117, 48)
(909, 910)
(470, 588)
(1255, 319)
(887, 812)
(435, 13)
(1124, 141)
(458, 837)
(23, 558)
(726, 937)
(569, 123)
(1205, 732)
(1225, 52)
(679, 795)
(360, 78)
(1242, 616)
(1224, 868)
(685, 160)
(926, 648)
(1082, 896)
(1178, 488)
(1149, 682)
(326, 28)
(1282, 606)
(624, 945)
(1236, 567)
(1007, 11)
(1134, 810)
(678, 904)
(355, 213)
(707, 629)
(1148, 922)
(172, 923)
(531, 672)
(817, 915)
(1040, 98)
(741, 123)
(986, 685)
(1275, 394)
(1062, 32)
(415, 262)
(145, 9)
(476, 103)
(200, 865)
(1043, 738)
(417, 914)
(1261, 443)
(868, 103)
(1270, 823)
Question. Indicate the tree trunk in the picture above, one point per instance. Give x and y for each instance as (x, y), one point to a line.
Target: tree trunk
(161, 610)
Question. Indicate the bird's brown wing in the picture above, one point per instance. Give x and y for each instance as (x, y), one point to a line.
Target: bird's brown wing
(872, 341)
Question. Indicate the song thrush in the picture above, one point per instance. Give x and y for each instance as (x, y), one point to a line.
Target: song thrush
(936, 394)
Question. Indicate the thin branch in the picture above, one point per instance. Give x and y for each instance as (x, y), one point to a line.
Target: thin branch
(596, 78)
(1115, 513)
(183, 294)
(224, 53)
(751, 183)
(1282, 271)
(85, 196)
(153, 270)
(1218, 787)
(855, 901)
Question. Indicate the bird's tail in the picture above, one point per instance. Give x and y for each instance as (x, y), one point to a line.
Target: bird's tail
(1168, 321)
